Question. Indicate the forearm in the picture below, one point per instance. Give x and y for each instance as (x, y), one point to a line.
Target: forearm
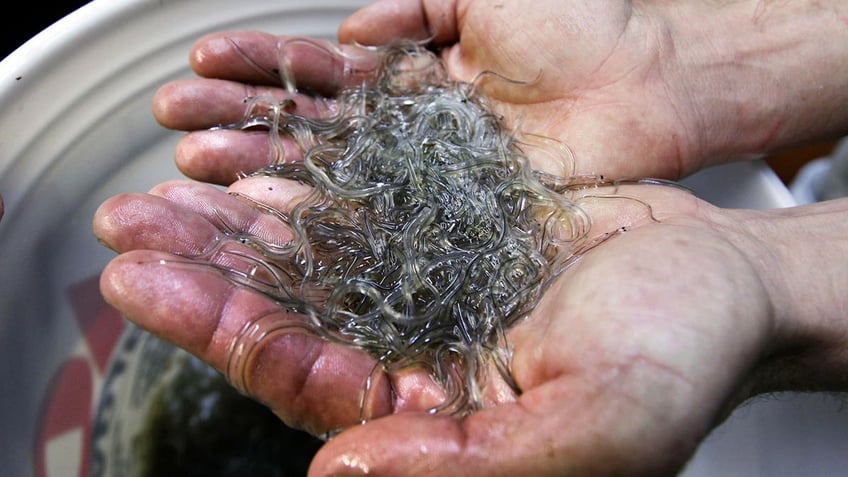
(762, 76)
(802, 257)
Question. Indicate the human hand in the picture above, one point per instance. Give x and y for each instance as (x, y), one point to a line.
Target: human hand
(636, 90)
(630, 359)
(592, 82)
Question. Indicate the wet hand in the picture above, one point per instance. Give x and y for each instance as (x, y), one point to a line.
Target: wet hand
(625, 345)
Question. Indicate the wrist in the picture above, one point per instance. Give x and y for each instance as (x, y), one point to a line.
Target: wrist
(798, 253)
(760, 76)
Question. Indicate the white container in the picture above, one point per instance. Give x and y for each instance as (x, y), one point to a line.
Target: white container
(76, 128)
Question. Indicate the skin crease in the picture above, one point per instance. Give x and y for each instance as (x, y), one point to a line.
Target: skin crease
(634, 354)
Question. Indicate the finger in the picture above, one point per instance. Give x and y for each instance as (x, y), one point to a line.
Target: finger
(189, 218)
(185, 218)
(133, 221)
(254, 214)
(247, 56)
(280, 194)
(385, 21)
(223, 156)
(204, 103)
(259, 58)
(231, 214)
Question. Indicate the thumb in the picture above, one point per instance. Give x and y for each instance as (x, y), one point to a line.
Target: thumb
(387, 20)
